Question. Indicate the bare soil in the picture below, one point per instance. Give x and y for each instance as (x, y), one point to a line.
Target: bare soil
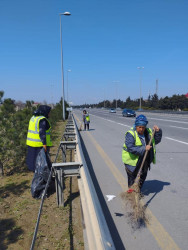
(59, 228)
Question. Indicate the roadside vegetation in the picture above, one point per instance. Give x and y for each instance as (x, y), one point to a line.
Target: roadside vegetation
(176, 103)
(59, 228)
(13, 132)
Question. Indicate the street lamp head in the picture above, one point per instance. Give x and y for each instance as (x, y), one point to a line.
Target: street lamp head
(140, 67)
(65, 13)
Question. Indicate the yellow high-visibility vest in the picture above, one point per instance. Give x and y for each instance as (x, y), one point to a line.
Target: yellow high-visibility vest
(132, 159)
(87, 118)
(33, 138)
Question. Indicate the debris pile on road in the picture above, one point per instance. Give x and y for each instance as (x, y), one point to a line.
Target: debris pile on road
(135, 209)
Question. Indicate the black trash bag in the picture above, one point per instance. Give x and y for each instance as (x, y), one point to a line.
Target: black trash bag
(42, 171)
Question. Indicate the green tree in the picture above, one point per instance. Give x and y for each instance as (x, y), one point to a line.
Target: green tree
(1, 96)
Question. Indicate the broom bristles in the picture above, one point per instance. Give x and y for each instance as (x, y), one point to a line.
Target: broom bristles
(135, 210)
(135, 187)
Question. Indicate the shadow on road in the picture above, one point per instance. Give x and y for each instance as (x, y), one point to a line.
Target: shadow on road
(153, 187)
(91, 129)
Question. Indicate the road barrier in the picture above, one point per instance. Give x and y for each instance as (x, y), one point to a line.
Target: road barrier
(96, 229)
(98, 234)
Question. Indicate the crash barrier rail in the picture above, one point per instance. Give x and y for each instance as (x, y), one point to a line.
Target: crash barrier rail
(170, 112)
(66, 169)
(57, 167)
(97, 232)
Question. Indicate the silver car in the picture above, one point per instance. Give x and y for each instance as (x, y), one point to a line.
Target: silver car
(112, 110)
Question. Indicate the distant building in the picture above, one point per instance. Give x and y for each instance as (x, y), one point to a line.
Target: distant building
(19, 105)
(35, 104)
(186, 95)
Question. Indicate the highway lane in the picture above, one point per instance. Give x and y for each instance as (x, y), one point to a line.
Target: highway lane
(165, 190)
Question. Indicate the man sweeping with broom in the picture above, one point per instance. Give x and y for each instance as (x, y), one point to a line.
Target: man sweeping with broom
(139, 151)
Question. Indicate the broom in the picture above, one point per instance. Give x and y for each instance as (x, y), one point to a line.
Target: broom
(134, 191)
(80, 129)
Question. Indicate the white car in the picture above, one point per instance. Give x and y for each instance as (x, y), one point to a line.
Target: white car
(112, 110)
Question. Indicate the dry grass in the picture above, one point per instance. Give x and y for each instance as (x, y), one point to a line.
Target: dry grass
(60, 228)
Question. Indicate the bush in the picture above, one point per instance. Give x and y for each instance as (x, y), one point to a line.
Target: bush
(13, 133)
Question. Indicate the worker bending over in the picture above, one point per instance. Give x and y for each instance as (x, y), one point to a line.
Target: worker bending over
(135, 146)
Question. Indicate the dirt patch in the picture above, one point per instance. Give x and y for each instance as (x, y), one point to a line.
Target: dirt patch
(59, 228)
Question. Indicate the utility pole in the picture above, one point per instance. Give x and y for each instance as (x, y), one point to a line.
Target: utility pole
(104, 98)
(140, 68)
(63, 93)
(116, 85)
(156, 87)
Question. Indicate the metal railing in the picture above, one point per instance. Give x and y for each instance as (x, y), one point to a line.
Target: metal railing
(106, 239)
(101, 236)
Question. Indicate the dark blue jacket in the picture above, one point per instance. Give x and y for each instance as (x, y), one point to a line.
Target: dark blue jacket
(130, 143)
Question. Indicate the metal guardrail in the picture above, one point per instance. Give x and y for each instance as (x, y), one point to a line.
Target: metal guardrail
(153, 111)
(102, 239)
(106, 239)
(163, 112)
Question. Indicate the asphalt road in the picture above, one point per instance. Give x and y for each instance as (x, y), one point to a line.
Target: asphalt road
(165, 189)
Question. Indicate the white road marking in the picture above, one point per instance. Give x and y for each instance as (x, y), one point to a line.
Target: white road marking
(176, 140)
(110, 197)
(178, 127)
(112, 121)
(150, 118)
(166, 120)
(157, 119)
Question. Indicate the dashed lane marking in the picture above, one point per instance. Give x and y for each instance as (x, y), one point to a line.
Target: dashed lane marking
(176, 140)
(162, 237)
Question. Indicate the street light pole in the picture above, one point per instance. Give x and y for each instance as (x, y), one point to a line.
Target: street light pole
(140, 68)
(68, 70)
(63, 96)
(104, 98)
(116, 85)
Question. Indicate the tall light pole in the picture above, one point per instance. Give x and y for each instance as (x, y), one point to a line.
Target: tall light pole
(140, 68)
(116, 85)
(63, 96)
(68, 70)
(52, 85)
(104, 97)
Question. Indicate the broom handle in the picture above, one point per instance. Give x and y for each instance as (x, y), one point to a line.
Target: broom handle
(143, 161)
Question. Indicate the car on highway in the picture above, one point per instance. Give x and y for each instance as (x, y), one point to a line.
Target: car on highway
(128, 113)
(112, 110)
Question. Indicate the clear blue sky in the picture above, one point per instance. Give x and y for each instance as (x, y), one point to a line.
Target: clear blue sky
(103, 41)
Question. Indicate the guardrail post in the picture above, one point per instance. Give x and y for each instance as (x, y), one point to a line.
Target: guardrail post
(59, 186)
(63, 148)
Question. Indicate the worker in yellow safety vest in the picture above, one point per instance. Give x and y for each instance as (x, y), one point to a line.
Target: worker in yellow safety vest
(38, 135)
(86, 119)
(135, 146)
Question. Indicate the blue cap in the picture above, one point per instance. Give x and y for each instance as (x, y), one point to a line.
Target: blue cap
(141, 120)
